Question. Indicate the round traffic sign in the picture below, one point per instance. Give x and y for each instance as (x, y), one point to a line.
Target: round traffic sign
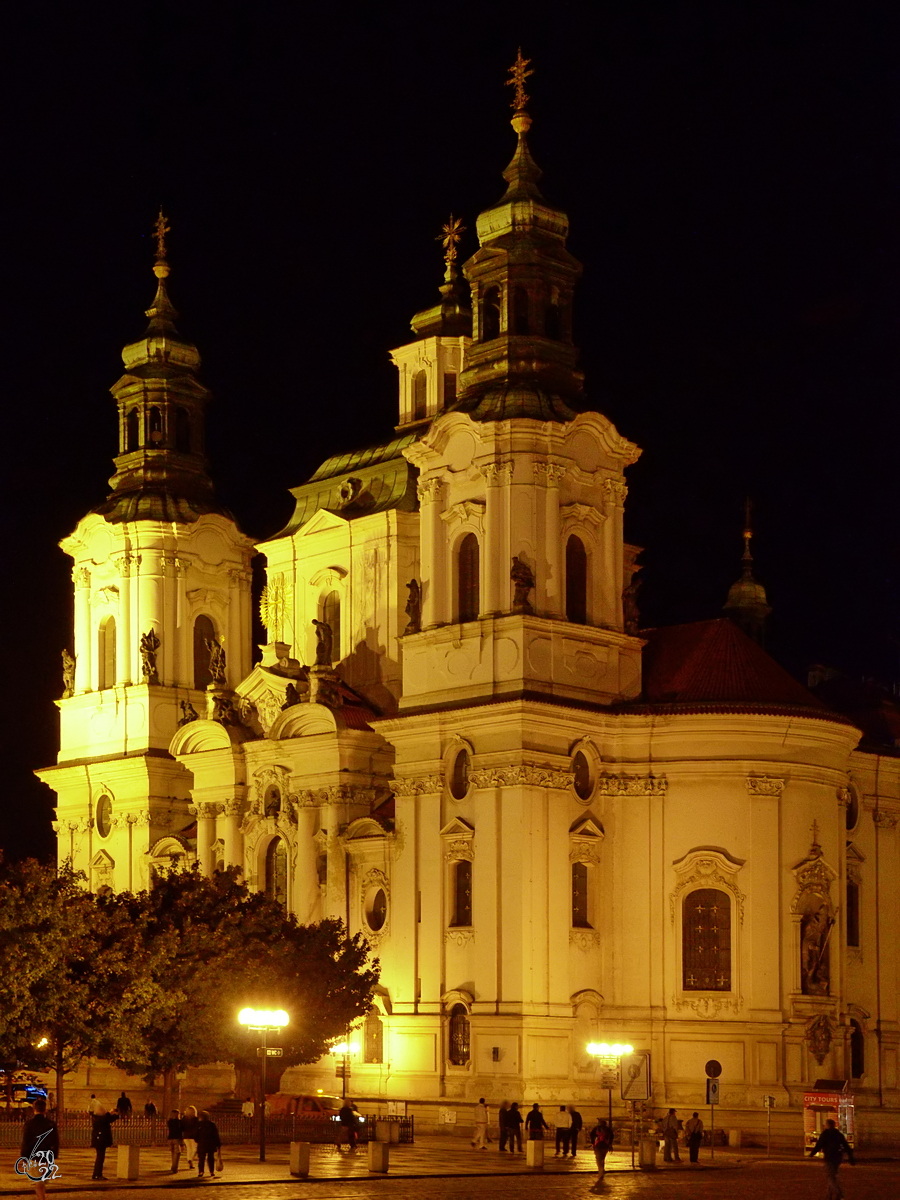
(713, 1069)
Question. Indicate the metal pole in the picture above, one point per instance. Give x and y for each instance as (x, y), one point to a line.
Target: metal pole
(262, 1111)
(344, 1078)
(768, 1130)
(632, 1134)
(712, 1131)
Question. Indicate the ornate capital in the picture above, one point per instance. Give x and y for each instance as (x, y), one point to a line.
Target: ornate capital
(205, 811)
(764, 785)
(429, 490)
(498, 472)
(632, 785)
(417, 785)
(548, 473)
(527, 774)
(884, 819)
(234, 808)
(81, 577)
(614, 490)
(340, 793)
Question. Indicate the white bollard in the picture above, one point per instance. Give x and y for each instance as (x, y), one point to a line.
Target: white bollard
(127, 1162)
(534, 1153)
(299, 1161)
(378, 1157)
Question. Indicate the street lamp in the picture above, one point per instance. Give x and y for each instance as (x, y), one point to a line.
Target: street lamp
(610, 1054)
(345, 1049)
(261, 1020)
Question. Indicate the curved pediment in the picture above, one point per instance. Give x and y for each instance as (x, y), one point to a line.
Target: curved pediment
(303, 720)
(197, 736)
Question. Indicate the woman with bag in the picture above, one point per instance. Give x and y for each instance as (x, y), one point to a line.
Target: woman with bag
(601, 1140)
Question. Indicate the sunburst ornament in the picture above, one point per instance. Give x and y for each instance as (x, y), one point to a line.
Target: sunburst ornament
(273, 606)
(449, 237)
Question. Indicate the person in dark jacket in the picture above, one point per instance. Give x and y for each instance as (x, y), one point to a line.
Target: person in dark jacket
(535, 1124)
(40, 1133)
(175, 1136)
(208, 1142)
(514, 1124)
(123, 1105)
(601, 1140)
(833, 1146)
(575, 1128)
(348, 1119)
(189, 1123)
(503, 1123)
(101, 1138)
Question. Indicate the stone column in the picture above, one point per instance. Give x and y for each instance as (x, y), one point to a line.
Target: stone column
(232, 837)
(168, 634)
(614, 565)
(306, 880)
(206, 833)
(434, 555)
(127, 641)
(550, 594)
(496, 558)
(84, 642)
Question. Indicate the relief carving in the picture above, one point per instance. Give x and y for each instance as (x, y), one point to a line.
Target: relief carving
(528, 774)
(764, 785)
(884, 819)
(459, 937)
(819, 1035)
(585, 939)
(417, 785)
(632, 785)
(429, 490)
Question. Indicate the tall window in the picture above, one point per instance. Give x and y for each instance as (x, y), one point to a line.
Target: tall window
(107, 652)
(331, 615)
(552, 322)
(373, 1037)
(706, 941)
(459, 776)
(156, 430)
(852, 912)
(182, 431)
(468, 583)
(576, 581)
(419, 394)
(459, 1035)
(520, 311)
(580, 877)
(462, 893)
(490, 314)
(204, 631)
(276, 871)
(857, 1051)
(132, 431)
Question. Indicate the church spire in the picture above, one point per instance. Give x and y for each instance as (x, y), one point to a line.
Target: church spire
(747, 604)
(523, 173)
(160, 467)
(451, 316)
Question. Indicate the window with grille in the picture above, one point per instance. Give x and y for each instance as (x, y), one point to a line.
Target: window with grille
(459, 1035)
(580, 906)
(462, 893)
(576, 581)
(706, 941)
(468, 584)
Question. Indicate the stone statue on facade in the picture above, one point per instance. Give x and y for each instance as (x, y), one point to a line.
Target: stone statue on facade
(224, 711)
(291, 697)
(149, 646)
(815, 930)
(523, 581)
(414, 607)
(216, 659)
(68, 672)
(324, 642)
(188, 713)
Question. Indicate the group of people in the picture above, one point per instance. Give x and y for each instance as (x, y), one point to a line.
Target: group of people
(197, 1136)
(568, 1123)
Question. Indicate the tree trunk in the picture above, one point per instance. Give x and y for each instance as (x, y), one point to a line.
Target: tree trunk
(168, 1092)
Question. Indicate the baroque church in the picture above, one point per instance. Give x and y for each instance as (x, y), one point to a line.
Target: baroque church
(553, 826)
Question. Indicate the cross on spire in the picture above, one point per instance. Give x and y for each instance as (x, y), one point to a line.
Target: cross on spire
(519, 73)
(160, 229)
(449, 237)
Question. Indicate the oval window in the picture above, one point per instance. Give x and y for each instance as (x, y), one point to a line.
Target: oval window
(459, 776)
(582, 783)
(852, 815)
(104, 816)
(376, 909)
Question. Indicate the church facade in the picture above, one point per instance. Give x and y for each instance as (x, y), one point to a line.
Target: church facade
(553, 827)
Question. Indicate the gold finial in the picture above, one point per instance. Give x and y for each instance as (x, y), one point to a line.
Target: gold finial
(519, 74)
(449, 237)
(161, 228)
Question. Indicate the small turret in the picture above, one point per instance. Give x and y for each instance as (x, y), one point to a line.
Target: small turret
(747, 604)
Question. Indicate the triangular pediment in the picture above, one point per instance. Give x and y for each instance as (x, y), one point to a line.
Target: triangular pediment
(321, 523)
(458, 828)
(587, 827)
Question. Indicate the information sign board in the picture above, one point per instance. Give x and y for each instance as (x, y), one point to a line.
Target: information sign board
(634, 1076)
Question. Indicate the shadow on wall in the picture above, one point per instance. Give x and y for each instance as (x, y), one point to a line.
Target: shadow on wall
(371, 673)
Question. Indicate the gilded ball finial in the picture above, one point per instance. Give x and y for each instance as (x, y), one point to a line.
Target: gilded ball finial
(160, 229)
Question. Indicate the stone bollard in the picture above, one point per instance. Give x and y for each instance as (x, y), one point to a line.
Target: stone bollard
(378, 1157)
(299, 1160)
(534, 1153)
(127, 1162)
(734, 1139)
(647, 1154)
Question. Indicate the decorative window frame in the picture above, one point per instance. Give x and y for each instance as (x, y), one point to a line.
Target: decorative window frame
(102, 875)
(458, 838)
(367, 845)
(707, 867)
(587, 747)
(451, 750)
(329, 579)
(272, 830)
(449, 1001)
(586, 523)
(585, 842)
(266, 778)
(373, 881)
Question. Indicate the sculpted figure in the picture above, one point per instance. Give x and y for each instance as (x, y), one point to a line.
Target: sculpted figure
(414, 607)
(291, 697)
(523, 581)
(216, 660)
(68, 671)
(323, 643)
(149, 646)
(188, 713)
(815, 932)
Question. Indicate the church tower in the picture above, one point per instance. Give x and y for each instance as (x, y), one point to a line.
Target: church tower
(162, 612)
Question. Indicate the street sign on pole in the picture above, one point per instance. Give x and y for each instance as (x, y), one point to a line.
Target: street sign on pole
(634, 1076)
(713, 1068)
(712, 1099)
(269, 1052)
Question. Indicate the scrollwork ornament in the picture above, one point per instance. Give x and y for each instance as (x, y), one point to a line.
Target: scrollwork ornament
(884, 819)
(632, 785)
(585, 939)
(584, 852)
(459, 937)
(819, 1035)
(764, 785)
(524, 775)
(417, 785)
(460, 849)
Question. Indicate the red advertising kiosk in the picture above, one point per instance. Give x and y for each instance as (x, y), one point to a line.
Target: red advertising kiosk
(829, 1099)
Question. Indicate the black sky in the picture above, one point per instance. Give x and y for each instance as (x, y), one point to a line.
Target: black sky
(731, 176)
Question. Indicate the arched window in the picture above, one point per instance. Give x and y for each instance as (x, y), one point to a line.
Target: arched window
(104, 816)
(459, 1035)
(582, 781)
(490, 314)
(276, 871)
(459, 775)
(462, 892)
(155, 430)
(107, 652)
(552, 322)
(852, 912)
(204, 631)
(331, 615)
(468, 583)
(520, 311)
(373, 1037)
(419, 395)
(857, 1051)
(182, 431)
(132, 431)
(580, 896)
(576, 581)
(706, 941)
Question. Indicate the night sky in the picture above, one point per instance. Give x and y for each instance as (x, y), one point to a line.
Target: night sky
(731, 176)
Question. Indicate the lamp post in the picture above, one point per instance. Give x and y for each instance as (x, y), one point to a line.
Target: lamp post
(345, 1049)
(261, 1020)
(610, 1055)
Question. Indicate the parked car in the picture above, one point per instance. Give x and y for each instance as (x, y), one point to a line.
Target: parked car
(311, 1106)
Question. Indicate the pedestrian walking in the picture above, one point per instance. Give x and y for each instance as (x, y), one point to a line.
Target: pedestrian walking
(601, 1141)
(208, 1142)
(481, 1123)
(189, 1124)
(671, 1127)
(514, 1123)
(832, 1145)
(123, 1105)
(347, 1120)
(535, 1124)
(694, 1131)
(40, 1133)
(175, 1137)
(575, 1128)
(101, 1138)
(503, 1123)
(563, 1131)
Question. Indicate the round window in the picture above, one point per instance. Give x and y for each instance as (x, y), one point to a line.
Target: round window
(582, 783)
(376, 909)
(459, 776)
(852, 813)
(104, 816)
